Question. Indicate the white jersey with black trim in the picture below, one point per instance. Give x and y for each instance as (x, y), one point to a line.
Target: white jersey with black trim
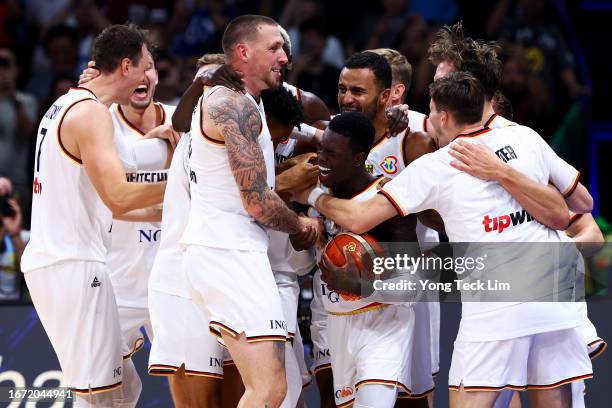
(496, 122)
(388, 158)
(283, 257)
(166, 274)
(475, 210)
(217, 217)
(134, 244)
(333, 301)
(69, 220)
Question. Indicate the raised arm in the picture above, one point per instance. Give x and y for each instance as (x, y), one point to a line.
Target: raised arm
(235, 120)
(95, 146)
(543, 202)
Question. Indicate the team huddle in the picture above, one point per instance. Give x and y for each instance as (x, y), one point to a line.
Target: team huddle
(196, 221)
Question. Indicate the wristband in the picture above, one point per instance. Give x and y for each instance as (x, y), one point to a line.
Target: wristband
(304, 132)
(314, 195)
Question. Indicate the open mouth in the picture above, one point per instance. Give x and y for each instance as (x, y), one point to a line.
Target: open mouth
(349, 109)
(277, 72)
(324, 171)
(141, 92)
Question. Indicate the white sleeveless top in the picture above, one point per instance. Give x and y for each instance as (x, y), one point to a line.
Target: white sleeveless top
(69, 220)
(134, 244)
(217, 217)
(334, 302)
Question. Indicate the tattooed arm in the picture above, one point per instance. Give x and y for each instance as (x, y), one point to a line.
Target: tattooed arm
(234, 119)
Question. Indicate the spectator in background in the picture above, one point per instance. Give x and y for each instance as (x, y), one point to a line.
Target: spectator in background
(381, 30)
(310, 72)
(61, 46)
(18, 114)
(528, 95)
(298, 12)
(10, 13)
(168, 88)
(11, 243)
(90, 21)
(413, 44)
(543, 46)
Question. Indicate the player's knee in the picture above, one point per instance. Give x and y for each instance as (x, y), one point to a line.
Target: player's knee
(276, 392)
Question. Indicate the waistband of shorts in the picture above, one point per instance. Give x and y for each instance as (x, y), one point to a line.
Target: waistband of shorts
(368, 308)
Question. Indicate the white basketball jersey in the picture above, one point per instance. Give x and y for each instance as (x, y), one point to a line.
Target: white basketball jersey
(388, 158)
(496, 122)
(217, 217)
(332, 300)
(166, 274)
(295, 91)
(134, 244)
(69, 220)
(283, 257)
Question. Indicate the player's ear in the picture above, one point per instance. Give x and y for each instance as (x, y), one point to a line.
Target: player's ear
(125, 66)
(398, 90)
(384, 97)
(242, 52)
(359, 159)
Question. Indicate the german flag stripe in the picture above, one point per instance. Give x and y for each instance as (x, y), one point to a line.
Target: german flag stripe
(228, 362)
(394, 203)
(218, 326)
(256, 339)
(522, 387)
(601, 347)
(215, 142)
(490, 120)
(346, 404)
(63, 149)
(306, 385)
(478, 132)
(574, 218)
(138, 344)
(404, 395)
(383, 382)
(195, 373)
(572, 188)
(404, 153)
(125, 120)
(96, 390)
(321, 367)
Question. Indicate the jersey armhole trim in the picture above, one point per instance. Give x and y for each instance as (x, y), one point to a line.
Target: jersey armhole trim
(63, 149)
(393, 202)
(572, 188)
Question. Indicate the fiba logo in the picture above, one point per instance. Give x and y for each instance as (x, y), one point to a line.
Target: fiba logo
(389, 164)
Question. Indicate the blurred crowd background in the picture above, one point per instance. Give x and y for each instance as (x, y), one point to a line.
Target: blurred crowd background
(552, 52)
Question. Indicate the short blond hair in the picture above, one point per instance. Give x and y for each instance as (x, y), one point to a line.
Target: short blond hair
(401, 70)
(208, 59)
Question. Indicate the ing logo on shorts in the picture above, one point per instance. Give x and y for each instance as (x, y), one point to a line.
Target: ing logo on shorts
(389, 164)
(344, 392)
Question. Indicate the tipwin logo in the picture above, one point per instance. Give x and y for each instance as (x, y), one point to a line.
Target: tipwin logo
(502, 222)
(389, 164)
(37, 186)
(344, 392)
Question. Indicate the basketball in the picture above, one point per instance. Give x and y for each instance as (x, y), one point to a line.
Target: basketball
(364, 248)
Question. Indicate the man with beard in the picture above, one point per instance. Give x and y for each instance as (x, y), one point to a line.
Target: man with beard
(232, 205)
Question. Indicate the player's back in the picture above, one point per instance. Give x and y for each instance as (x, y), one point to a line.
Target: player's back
(69, 220)
(217, 216)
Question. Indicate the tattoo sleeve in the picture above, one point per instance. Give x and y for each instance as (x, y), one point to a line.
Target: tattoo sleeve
(239, 123)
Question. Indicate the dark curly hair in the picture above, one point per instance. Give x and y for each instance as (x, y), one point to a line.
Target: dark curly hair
(357, 127)
(280, 104)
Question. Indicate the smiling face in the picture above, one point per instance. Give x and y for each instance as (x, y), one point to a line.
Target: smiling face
(143, 95)
(357, 91)
(266, 57)
(336, 160)
(133, 76)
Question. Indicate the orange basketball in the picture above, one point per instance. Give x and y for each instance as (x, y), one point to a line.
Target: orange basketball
(364, 248)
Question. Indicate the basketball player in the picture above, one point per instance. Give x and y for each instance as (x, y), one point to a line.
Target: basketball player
(370, 343)
(79, 184)
(381, 158)
(232, 203)
(509, 344)
(451, 51)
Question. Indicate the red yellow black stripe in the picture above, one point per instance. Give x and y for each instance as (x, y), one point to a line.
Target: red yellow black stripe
(394, 203)
(574, 218)
(601, 347)
(475, 133)
(490, 120)
(321, 367)
(572, 188)
(138, 344)
(403, 144)
(522, 387)
(346, 404)
(404, 395)
(383, 382)
(59, 137)
(256, 339)
(96, 390)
